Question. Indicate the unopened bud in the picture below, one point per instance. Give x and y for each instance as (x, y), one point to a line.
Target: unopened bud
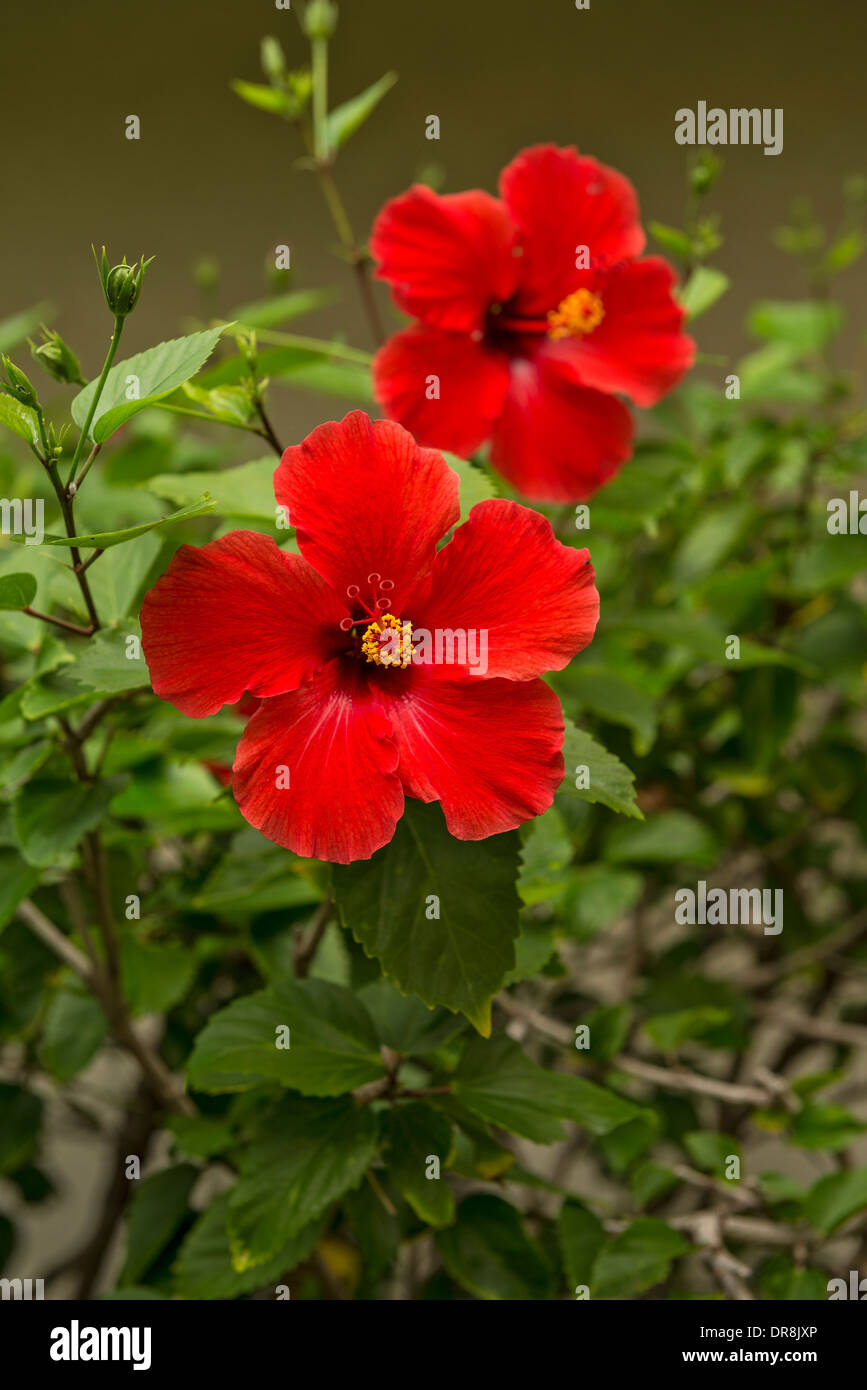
(57, 357)
(121, 284)
(17, 384)
(320, 19)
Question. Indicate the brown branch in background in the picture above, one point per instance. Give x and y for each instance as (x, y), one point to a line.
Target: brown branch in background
(304, 949)
(58, 622)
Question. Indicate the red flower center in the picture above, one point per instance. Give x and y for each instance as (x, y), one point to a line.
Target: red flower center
(575, 316)
(386, 640)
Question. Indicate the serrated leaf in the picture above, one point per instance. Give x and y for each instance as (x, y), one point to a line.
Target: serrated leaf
(404, 1023)
(832, 1200)
(612, 783)
(345, 119)
(489, 1253)
(638, 1258)
(460, 957)
(17, 590)
(475, 484)
(497, 1081)
(50, 817)
(204, 1269)
(332, 1043)
(308, 1153)
(245, 492)
(416, 1133)
(106, 664)
(103, 540)
(157, 371)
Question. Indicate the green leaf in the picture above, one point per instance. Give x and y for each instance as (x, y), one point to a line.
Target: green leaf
(345, 119)
(475, 484)
(111, 662)
(263, 98)
(828, 1127)
(204, 1269)
(489, 1253)
(18, 418)
(199, 1136)
(157, 371)
(805, 326)
(582, 1236)
(155, 977)
(17, 881)
(638, 1258)
(73, 1031)
(308, 1154)
(710, 1151)
(669, 1031)
(245, 492)
(611, 782)
(17, 327)
(50, 817)
(118, 577)
(17, 590)
(404, 1023)
(615, 699)
(674, 837)
(103, 540)
(158, 1208)
(650, 1182)
(332, 1043)
(598, 895)
(311, 368)
(498, 1082)
(609, 1028)
(780, 1279)
(460, 957)
(671, 239)
(416, 1133)
(832, 1200)
(702, 290)
(20, 1126)
(282, 308)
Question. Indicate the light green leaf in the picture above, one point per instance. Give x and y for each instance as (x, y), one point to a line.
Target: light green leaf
(671, 239)
(440, 914)
(103, 540)
(702, 290)
(638, 1258)
(332, 1044)
(245, 492)
(17, 327)
(263, 98)
(832, 1200)
(710, 1151)
(156, 372)
(155, 977)
(803, 325)
(111, 662)
(345, 119)
(670, 838)
(669, 1031)
(308, 1154)
(19, 418)
(17, 590)
(611, 782)
(282, 308)
(475, 484)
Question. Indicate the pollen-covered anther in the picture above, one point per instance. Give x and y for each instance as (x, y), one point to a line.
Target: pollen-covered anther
(388, 641)
(578, 314)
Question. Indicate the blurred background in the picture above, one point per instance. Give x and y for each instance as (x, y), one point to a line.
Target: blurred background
(210, 176)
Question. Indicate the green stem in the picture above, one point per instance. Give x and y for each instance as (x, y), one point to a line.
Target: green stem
(319, 49)
(112, 349)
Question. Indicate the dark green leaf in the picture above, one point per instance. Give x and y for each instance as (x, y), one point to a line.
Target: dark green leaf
(17, 590)
(489, 1253)
(158, 1208)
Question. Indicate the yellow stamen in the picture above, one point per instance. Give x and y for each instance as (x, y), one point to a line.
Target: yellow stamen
(388, 642)
(579, 313)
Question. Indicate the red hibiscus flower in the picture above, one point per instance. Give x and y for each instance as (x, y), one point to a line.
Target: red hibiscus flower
(350, 720)
(523, 337)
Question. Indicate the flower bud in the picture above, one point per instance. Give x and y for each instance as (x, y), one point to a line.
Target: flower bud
(17, 384)
(121, 284)
(273, 61)
(704, 174)
(57, 357)
(320, 19)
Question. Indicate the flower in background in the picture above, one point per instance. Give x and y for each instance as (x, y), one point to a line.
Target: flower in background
(533, 313)
(348, 722)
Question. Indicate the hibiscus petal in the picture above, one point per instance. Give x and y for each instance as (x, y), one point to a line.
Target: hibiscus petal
(447, 258)
(639, 347)
(490, 751)
(555, 441)
(330, 741)
(236, 615)
(471, 385)
(365, 499)
(505, 573)
(561, 200)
